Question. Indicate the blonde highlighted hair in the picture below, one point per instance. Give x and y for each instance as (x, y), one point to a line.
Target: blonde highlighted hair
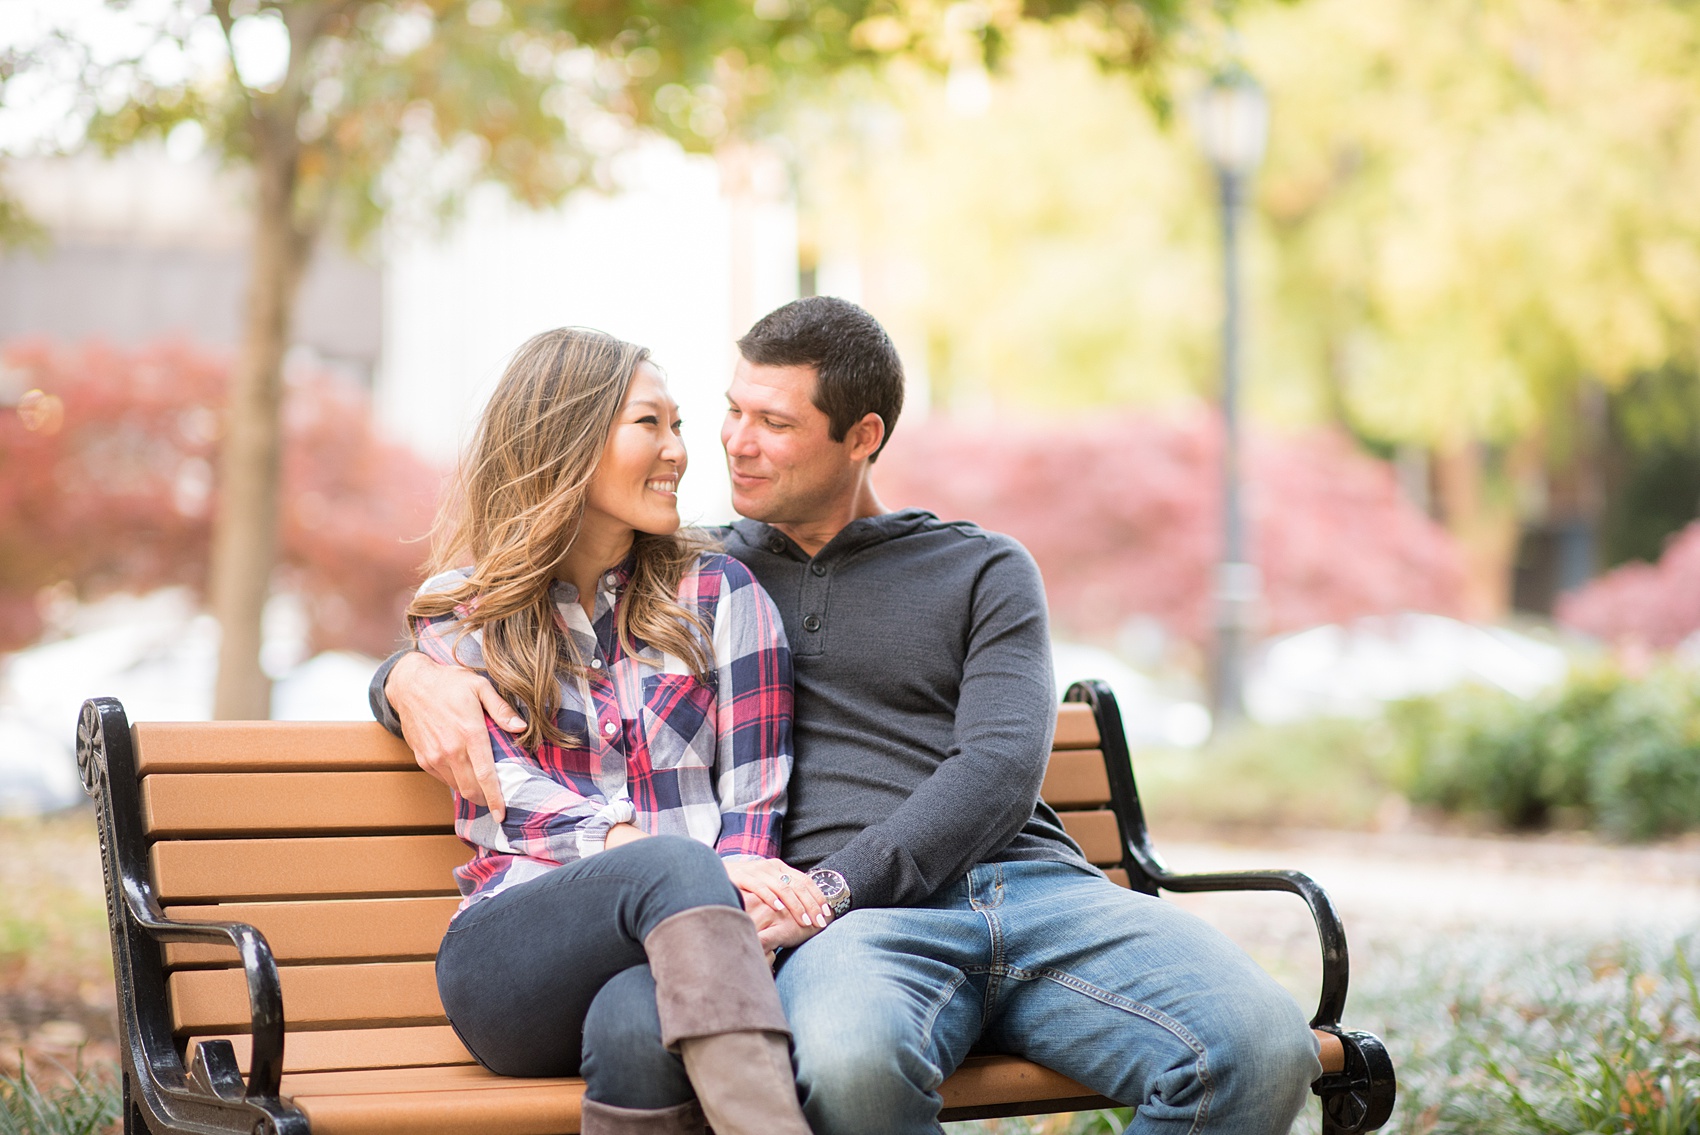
(515, 507)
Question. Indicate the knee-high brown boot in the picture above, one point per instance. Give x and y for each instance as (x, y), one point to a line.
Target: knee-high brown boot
(605, 1119)
(721, 1012)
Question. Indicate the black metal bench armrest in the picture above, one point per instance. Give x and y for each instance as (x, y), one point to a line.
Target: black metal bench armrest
(1147, 871)
(259, 969)
(1331, 932)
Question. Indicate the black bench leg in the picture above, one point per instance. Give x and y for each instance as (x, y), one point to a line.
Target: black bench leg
(134, 1124)
(1360, 1097)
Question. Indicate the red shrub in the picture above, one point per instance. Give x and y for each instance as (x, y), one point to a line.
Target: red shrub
(1123, 516)
(112, 490)
(1656, 605)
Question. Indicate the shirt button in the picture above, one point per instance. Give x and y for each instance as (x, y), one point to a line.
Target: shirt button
(818, 569)
(811, 622)
(776, 545)
(611, 579)
(610, 728)
(596, 663)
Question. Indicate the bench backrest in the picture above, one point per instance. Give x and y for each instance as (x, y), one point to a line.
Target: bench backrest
(330, 840)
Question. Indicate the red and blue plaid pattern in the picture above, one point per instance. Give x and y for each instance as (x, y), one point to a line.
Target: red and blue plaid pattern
(650, 743)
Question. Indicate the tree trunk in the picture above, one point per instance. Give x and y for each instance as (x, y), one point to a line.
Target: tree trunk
(1483, 522)
(250, 464)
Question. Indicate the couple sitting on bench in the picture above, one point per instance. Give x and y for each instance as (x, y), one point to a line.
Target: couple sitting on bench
(630, 889)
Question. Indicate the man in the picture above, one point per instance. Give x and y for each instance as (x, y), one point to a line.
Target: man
(924, 708)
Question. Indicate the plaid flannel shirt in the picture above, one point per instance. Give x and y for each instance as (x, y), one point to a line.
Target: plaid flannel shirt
(657, 748)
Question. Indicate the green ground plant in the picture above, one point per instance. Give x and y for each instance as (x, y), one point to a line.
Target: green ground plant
(1540, 1039)
(85, 1101)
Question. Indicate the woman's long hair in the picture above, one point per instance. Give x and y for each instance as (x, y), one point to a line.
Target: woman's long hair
(515, 508)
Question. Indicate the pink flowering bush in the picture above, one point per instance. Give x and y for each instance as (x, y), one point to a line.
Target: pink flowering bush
(1651, 605)
(1123, 516)
(107, 483)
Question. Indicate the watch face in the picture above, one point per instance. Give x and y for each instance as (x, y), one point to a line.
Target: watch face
(831, 884)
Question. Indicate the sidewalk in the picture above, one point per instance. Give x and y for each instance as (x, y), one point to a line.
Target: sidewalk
(1398, 891)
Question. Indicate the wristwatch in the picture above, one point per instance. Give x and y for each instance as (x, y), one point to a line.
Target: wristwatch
(833, 888)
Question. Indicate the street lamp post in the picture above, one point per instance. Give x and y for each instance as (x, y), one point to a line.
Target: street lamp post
(1231, 116)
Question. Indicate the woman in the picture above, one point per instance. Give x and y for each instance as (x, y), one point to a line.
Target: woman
(602, 931)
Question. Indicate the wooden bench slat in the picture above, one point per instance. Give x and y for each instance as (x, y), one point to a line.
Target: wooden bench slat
(470, 1099)
(266, 746)
(330, 931)
(377, 995)
(313, 867)
(1008, 1079)
(503, 1107)
(1075, 778)
(266, 803)
(1097, 835)
(339, 1049)
(1076, 728)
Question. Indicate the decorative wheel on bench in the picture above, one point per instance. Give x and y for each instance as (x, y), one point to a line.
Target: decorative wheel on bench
(257, 866)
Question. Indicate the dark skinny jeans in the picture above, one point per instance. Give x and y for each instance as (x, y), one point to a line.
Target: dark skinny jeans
(549, 978)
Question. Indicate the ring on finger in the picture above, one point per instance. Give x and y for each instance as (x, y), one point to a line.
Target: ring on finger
(785, 880)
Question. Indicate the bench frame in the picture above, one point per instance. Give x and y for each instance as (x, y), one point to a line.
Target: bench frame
(208, 1094)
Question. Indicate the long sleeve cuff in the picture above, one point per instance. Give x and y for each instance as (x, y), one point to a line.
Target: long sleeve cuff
(593, 836)
(382, 711)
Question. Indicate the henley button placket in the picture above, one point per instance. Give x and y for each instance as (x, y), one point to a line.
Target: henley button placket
(811, 623)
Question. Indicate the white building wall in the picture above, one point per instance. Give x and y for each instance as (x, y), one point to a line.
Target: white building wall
(680, 260)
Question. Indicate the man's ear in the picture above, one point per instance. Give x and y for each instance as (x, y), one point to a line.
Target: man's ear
(865, 436)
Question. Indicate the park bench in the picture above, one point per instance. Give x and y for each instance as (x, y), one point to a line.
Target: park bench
(264, 872)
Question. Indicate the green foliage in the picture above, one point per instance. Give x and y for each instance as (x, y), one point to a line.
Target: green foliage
(1654, 478)
(86, 1103)
(1543, 1039)
(1617, 752)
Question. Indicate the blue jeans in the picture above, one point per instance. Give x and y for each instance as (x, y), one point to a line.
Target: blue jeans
(549, 978)
(1125, 993)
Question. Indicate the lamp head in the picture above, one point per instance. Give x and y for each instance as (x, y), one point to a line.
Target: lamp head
(1231, 118)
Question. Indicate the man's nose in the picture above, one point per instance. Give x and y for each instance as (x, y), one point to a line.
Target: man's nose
(736, 438)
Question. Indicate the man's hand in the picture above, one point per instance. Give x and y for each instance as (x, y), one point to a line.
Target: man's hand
(784, 888)
(442, 711)
(775, 930)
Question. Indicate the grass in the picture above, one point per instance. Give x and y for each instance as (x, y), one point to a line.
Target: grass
(81, 1101)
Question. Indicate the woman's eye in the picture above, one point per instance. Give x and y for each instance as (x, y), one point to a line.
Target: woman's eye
(678, 424)
(649, 420)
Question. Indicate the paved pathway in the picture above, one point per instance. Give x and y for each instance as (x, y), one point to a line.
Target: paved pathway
(1397, 891)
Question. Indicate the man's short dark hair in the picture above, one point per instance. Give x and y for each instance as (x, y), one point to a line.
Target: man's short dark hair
(858, 368)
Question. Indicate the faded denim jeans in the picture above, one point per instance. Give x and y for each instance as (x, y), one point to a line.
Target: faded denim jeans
(1125, 993)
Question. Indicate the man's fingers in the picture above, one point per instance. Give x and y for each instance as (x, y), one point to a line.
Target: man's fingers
(489, 785)
(500, 711)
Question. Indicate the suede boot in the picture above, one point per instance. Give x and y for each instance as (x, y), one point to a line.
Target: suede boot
(720, 1011)
(605, 1119)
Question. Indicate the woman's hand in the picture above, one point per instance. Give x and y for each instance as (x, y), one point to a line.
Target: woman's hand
(621, 834)
(788, 890)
